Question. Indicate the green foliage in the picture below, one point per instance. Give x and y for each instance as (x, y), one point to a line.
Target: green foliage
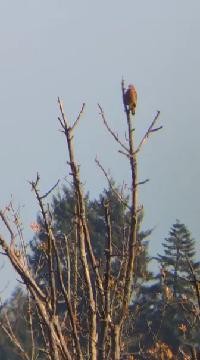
(168, 308)
(63, 220)
(63, 215)
(177, 277)
(14, 311)
(179, 252)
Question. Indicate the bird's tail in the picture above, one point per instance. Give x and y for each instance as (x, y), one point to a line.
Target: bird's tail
(132, 110)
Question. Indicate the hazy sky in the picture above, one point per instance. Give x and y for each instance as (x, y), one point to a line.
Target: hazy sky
(80, 50)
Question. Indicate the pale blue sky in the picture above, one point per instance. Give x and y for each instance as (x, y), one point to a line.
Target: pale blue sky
(80, 50)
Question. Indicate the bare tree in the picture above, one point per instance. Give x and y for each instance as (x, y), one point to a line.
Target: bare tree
(105, 288)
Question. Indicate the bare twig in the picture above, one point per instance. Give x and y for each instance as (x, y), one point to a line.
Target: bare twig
(142, 182)
(114, 135)
(49, 191)
(78, 118)
(149, 131)
(8, 226)
(120, 198)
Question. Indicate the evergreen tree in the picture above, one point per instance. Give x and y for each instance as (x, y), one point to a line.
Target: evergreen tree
(168, 308)
(179, 252)
(14, 317)
(178, 286)
(63, 214)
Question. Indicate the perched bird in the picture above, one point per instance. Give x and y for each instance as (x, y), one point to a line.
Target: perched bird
(130, 98)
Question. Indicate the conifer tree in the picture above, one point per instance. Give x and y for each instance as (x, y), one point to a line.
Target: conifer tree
(63, 218)
(178, 270)
(168, 308)
(179, 255)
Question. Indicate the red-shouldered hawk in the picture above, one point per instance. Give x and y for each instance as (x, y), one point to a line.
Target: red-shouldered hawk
(130, 98)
